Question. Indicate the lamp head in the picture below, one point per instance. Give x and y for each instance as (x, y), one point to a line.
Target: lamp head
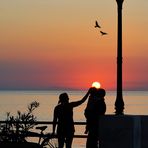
(119, 2)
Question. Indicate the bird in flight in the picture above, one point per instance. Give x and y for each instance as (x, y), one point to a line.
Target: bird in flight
(103, 33)
(97, 25)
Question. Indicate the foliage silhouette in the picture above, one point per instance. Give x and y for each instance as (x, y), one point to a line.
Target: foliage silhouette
(15, 131)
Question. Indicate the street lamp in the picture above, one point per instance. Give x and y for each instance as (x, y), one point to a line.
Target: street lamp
(119, 103)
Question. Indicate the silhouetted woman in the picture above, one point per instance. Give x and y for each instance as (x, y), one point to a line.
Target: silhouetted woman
(63, 118)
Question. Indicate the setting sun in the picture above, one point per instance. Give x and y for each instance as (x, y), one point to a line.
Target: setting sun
(96, 84)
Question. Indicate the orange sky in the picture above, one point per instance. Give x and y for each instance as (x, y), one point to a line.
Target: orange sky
(53, 44)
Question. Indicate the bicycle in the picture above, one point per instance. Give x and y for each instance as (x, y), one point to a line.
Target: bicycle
(19, 139)
(46, 140)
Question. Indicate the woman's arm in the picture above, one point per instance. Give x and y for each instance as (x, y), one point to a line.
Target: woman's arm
(77, 103)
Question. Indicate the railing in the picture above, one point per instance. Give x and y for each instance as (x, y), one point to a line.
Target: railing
(47, 123)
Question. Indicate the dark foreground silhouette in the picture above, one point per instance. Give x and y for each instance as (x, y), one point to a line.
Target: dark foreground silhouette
(19, 145)
(63, 119)
(96, 107)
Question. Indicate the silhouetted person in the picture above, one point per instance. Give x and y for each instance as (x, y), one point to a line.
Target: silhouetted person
(95, 108)
(63, 118)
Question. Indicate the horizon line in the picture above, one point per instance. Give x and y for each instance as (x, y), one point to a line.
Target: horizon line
(63, 89)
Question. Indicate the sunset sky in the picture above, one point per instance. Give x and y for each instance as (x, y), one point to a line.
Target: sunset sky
(50, 44)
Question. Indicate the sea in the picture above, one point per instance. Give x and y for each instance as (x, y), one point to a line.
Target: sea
(136, 103)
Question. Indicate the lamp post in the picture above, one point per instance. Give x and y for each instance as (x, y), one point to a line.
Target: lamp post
(119, 103)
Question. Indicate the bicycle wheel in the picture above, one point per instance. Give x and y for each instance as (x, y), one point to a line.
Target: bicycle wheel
(50, 142)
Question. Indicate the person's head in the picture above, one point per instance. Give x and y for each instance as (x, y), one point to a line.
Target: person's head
(101, 92)
(93, 91)
(63, 98)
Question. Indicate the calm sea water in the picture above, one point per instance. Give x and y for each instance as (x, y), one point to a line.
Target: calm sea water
(136, 103)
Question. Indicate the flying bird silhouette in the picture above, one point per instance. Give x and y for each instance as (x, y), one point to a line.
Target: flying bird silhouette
(97, 25)
(103, 33)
